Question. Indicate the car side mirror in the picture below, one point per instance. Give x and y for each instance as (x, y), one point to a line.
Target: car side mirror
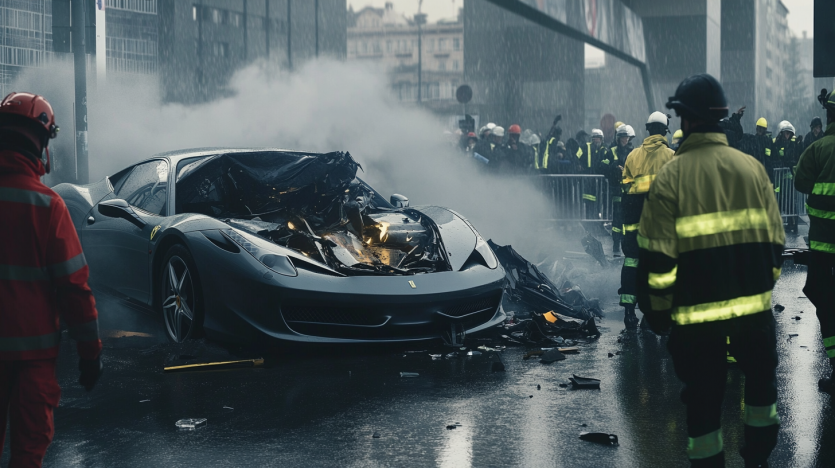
(399, 201)
(118, 208)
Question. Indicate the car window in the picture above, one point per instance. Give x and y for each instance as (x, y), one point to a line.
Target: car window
(147, 187)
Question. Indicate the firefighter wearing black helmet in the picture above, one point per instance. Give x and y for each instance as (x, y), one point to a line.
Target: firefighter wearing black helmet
(816, 177)
(711, 239)
(815, 132)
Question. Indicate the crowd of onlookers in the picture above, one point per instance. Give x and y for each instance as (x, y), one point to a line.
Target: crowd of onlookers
(514, 151)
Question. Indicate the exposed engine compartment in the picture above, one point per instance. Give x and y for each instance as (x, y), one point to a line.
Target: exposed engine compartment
(315, 205)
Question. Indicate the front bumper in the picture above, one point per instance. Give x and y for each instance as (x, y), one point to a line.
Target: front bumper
(246, 304)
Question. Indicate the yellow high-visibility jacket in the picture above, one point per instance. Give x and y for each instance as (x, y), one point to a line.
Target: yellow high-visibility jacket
(711, 236)
(644, 162)
(816, 176)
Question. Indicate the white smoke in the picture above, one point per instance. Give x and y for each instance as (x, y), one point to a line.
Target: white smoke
(324, 106)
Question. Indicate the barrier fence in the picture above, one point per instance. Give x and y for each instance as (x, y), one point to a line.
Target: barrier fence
(567, 192)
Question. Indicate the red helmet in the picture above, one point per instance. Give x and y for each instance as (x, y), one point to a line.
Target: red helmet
(515, 129)
(471, 135)
(32, 108)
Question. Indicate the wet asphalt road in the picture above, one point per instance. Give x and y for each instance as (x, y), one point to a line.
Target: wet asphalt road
(323, 409)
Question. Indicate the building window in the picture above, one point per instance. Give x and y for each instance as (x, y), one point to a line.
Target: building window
(388, 46)
(430, 45)
(456, 44)
(217, 16)
(138, 6)
(220, 49)
(455, 65)
(442, 65)
(441, 45)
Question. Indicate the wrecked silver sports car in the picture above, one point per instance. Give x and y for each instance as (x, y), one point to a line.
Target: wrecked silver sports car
(258, 245)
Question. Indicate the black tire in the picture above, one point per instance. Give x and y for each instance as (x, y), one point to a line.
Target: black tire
(180, 302)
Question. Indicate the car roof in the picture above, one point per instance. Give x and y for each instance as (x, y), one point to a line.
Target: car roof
(177, 155)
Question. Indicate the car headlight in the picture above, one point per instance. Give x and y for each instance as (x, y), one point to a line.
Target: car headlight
(261, 250)
(486, 253)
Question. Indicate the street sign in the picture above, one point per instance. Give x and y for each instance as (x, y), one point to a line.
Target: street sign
(464, 94)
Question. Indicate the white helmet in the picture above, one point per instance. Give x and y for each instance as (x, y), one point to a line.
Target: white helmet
(658, 117)
(483, 130)
(490, 126)
(630, 131)
(785, 126)
(622, 130)
(498, 131)
(596, 133)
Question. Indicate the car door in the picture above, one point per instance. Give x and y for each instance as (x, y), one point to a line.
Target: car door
(117, 250)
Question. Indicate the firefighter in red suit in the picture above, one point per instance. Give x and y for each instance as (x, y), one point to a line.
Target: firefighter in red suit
(43, 278)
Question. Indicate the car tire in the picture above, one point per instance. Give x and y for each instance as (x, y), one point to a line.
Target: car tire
(180, 300)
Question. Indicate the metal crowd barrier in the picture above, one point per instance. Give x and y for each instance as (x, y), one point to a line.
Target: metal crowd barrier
(567, 190)
(791, 202)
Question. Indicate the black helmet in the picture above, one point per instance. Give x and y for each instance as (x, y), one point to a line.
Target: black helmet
(827, 100)
(700, 96)
(816, 122)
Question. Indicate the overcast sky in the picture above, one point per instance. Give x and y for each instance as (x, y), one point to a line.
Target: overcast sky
(800, 11)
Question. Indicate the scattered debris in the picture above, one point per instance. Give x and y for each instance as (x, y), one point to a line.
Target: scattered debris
(376, 435)
(415, 352)
(538, 387)
(190, 363)
(572, 350)
(611, 355)
(228, 407)
(599, 438)
(435, 357)
(497, 367)
(792, 335)
(487, 349)
(779, 307)
(594, 247)
(551, 356)
(585, 383)
(144, 401)
(452, 355)
(562, 385)
(530, 396)
(796, 317)
(452, 426)
(409, 374)
(190, 424)
(529, 289)
(530, 354)
(474, 353)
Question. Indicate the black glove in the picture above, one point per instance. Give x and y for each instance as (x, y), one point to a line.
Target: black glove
(659, 323)
(91, 370)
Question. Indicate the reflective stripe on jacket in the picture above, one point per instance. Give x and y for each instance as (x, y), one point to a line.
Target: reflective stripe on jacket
(711, 235)
(43, 274)
(816, 177)
(644, 162)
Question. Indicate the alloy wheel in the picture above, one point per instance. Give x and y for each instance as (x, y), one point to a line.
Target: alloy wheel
(178, 306)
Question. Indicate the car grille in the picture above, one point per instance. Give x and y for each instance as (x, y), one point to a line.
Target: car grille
(357, 317)
(477, 305)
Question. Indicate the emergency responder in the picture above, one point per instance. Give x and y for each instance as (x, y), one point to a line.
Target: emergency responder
(816, 177)
(589, 156)
(550, 158)
(43, 277)
(733, 129)
(484, 146)
(711, 240)
(472, 139)
(761, 144)
(815, 132)
(618, 125)
(639, 171)
(518, 155)
(619, 152)
(676, 139)
(785, 151)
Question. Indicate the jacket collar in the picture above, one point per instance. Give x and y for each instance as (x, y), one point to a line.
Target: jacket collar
(653, 142)
(12, 162)
(830, 129)
(695, 140)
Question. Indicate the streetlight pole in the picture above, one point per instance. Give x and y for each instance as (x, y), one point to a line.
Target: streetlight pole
(79, 30)
(420, 20)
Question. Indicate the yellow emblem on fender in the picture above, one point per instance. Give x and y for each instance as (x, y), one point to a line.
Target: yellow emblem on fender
(412, 284)
(154, 232)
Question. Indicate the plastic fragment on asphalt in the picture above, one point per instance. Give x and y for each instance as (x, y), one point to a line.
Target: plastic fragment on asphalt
(530, 396)
(779, 307)
(552, 356)
(452, 355)
(571, 350)
(474, 353)
(536, 352)
(611, 355)
(452, 426)
(376, 435)
(562, 385)
(415, 352)
(409, 374)
(144, 401)
(191, 424)
(228, 407)
(435, 357)
(487, 349)
(599, 438)
(538, 387)
(585, 383)
(796, 317)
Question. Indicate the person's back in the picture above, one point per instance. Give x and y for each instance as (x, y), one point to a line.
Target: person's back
(644, 162)
(711, 242)
(43, 277)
